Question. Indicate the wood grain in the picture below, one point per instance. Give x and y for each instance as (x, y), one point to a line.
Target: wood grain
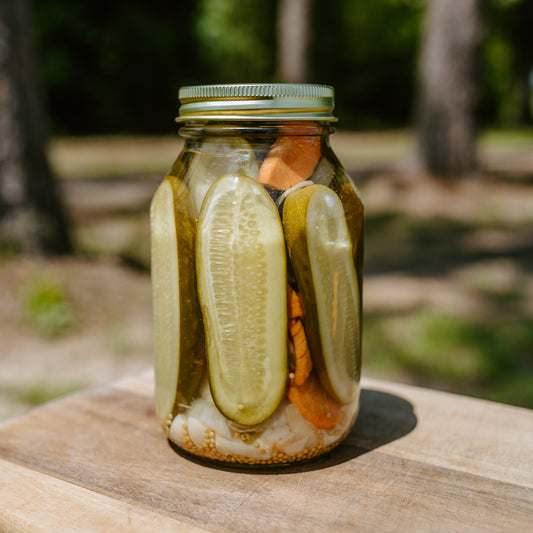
(33, 501)
(416, 460)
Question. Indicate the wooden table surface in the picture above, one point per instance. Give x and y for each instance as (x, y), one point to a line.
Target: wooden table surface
(417, 460)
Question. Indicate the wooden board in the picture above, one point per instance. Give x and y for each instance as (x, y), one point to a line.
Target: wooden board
(417, 460)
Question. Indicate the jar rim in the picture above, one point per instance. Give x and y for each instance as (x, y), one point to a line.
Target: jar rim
(257, 101)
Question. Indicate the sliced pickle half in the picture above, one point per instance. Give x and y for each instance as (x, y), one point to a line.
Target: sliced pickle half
(178, 335)
(320, 249)
(241, 269)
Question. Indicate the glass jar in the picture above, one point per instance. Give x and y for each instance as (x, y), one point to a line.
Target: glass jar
(257, 265)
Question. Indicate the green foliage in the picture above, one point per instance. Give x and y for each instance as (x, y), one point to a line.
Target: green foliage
(47, 308)
(497, 67)
(114, 68)
(117, 68)
(469, 355)
(506, 63)
(237, 39)
(368, 51)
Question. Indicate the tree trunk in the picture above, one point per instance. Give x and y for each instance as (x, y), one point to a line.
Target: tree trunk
(447, 87)
(293, 40)
(31, 214)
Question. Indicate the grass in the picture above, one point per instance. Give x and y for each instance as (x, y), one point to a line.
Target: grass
(33, 394)
(47, 308)
(472, 356)
(506, 139)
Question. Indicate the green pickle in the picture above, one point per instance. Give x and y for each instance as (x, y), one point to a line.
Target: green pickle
(242, 288)
(178, 331)
(320, 249)
(257, 243)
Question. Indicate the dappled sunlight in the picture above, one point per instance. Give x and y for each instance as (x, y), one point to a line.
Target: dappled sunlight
(448, 284)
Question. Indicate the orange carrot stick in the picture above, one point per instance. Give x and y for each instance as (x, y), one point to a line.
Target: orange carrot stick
(303, 363)
(315, 404)
(294, 304)
(290, 161)
(302, 357)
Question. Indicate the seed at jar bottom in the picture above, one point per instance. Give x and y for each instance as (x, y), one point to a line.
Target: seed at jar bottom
(286, 437)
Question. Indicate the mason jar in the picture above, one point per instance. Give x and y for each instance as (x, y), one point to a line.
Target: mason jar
(257, 271)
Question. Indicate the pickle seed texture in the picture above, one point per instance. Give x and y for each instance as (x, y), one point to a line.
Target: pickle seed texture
(241, 271)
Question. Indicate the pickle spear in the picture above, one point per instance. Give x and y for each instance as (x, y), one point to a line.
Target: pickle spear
(241, 270)
(179, 351)
(320, 250)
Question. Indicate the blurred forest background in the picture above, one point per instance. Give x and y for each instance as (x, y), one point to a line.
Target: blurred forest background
(117, 69)
(449, 230)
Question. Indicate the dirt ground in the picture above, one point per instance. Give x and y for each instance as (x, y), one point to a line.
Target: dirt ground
(108, 286)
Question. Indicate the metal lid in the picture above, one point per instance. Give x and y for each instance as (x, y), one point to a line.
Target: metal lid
(257, 101)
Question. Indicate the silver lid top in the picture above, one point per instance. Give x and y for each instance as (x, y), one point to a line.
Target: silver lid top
(257, 101)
